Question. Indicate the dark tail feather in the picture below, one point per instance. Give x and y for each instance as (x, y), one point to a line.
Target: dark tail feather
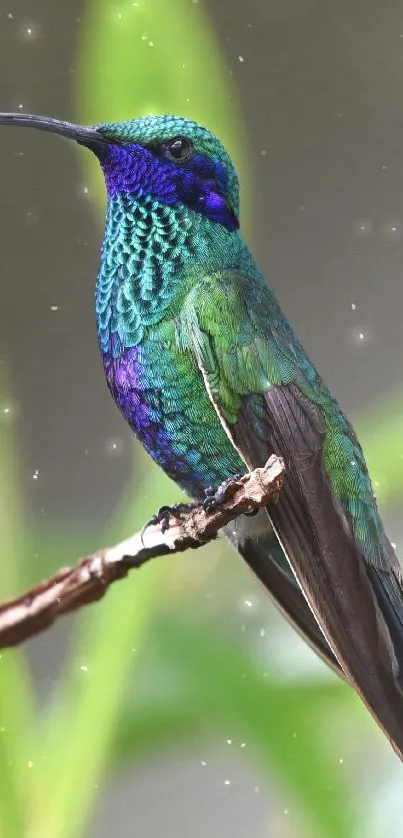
(358, 605)
(266, 559)
(388, 590)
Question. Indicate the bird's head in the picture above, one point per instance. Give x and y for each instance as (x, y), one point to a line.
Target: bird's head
(169, 158)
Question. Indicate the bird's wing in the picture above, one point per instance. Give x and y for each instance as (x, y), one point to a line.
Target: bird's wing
(270, 399)
(262, 551)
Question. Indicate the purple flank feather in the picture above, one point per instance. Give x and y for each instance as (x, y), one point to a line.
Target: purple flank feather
(126, 378)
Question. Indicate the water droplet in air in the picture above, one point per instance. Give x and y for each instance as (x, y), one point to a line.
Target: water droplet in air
(363, 227)
(8, 410)
(114, 447)
(30, 32)
(392, 230)
(359, 337)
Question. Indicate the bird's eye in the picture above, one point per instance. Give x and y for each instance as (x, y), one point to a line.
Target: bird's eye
(178, 149)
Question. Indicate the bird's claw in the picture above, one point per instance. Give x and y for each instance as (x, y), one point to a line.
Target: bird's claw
(215, 497)
(164, 515)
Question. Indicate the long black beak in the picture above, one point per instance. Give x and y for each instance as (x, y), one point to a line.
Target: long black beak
(87, 136)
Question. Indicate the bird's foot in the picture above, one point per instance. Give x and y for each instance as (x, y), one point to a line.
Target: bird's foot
(164, 515)
(214, 498)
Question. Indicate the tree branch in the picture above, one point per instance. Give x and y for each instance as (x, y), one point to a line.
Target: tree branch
(90, 578)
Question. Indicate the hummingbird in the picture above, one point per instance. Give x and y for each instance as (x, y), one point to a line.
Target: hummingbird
(204, 366)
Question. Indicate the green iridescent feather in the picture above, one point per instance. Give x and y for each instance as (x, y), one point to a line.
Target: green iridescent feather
(244, 345)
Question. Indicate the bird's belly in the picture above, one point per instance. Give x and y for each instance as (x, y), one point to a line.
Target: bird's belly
(163, 398)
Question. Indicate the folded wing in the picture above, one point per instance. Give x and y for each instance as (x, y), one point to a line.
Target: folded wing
(270, 399)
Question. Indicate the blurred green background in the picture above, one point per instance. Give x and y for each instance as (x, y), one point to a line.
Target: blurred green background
(183, 705)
